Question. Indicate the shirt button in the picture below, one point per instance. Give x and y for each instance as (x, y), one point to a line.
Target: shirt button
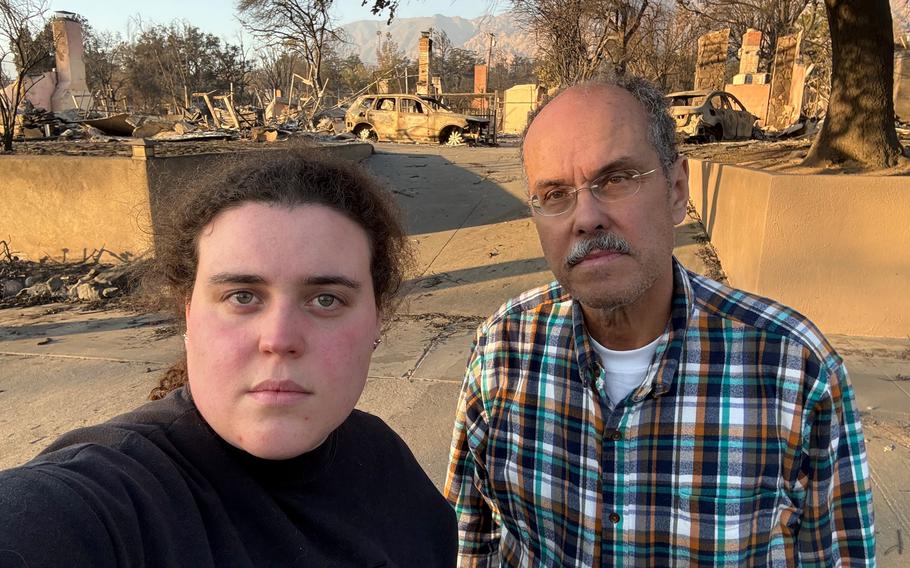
(614, 518)
(614, 435)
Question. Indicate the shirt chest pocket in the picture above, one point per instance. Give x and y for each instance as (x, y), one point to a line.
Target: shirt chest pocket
(732, 521)
(722, 501)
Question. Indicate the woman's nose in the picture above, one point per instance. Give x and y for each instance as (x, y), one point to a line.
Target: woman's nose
(282, 331)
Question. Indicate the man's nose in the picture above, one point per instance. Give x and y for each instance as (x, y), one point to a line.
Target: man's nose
(281, 331)
(589, 214)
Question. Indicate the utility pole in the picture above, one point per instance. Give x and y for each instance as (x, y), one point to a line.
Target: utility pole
(490, 59)
(490, 51)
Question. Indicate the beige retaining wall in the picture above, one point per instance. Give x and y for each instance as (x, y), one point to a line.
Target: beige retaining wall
(77, 203)
(834, 247)
(84, 203)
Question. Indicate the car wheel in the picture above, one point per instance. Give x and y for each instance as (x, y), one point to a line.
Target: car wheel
(715, 134)
(366, 134)
(453, 137)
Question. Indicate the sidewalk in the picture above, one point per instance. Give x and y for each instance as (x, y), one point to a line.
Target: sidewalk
(880, 371)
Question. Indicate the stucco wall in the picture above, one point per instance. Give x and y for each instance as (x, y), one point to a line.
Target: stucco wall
(82, 203)
(168, 174)
(836, 248)
(518, 102)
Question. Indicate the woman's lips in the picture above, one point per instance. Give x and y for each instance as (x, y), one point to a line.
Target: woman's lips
(279, 392)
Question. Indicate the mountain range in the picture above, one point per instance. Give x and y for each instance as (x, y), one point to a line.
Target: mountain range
(510, 41)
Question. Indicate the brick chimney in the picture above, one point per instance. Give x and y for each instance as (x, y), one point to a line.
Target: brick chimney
(424, 57)
(67, 28)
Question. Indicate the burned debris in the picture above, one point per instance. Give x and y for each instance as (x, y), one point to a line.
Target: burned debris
(757, 105)
(777, 82)
(99, 276)
(58, 105)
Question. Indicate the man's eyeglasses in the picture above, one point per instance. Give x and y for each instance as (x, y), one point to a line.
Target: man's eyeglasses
(611, 186)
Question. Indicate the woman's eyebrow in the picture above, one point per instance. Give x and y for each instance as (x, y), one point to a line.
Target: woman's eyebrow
(323, 280)
(317, 280)
(235, 278)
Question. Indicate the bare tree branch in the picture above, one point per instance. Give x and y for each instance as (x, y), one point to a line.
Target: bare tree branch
(20, 20)
(304, 26)
(578, 37)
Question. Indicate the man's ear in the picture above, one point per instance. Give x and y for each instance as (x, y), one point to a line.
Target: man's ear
(679, 190)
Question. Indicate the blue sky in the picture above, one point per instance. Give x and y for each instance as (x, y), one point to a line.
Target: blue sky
(217, 17)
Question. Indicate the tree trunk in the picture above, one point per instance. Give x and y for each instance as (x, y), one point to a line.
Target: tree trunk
(7, 127)
(9, 108)
(859, 124)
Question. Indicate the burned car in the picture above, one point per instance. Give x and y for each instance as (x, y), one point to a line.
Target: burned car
(710, 116)
(412, 118)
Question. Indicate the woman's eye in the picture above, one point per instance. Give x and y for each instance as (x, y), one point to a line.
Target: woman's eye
(242, 298)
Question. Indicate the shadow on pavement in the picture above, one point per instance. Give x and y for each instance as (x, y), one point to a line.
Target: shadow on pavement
(437, 194)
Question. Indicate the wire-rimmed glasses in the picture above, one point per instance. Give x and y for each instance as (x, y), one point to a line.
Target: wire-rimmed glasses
(611, 186)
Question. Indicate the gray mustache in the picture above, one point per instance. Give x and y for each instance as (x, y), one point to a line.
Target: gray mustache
(601, 241)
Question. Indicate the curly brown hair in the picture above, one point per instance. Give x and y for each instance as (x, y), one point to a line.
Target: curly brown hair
(283, 178)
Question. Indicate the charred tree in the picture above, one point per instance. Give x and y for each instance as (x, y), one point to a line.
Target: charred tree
(304, 26)
(576, 38)
(859, 125)
(20, 20)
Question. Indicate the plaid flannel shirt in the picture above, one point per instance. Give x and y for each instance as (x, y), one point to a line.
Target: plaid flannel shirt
(742, 447)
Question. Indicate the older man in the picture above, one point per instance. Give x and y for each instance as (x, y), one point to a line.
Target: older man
(635, 413)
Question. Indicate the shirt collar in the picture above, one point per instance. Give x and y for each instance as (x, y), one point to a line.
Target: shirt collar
(669, 349)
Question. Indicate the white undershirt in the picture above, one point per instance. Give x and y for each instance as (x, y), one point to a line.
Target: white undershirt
(625, 370)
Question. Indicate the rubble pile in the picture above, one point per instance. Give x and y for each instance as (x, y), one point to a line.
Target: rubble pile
(39, 123)
(35, 122)
(25, 283)
(208, 116)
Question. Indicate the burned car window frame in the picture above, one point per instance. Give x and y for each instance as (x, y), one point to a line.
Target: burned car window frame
(414, 106)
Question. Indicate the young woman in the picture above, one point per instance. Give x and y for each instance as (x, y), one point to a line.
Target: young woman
(282, 270)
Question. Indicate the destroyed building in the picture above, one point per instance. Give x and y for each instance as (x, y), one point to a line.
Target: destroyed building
(64, 88)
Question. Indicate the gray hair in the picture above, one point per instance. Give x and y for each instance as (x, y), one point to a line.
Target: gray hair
(661, 127)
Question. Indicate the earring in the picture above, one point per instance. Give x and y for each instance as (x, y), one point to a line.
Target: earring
(376, 342)
(186, 338)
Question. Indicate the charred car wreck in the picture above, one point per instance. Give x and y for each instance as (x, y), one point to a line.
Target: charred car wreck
(412, 118)
(710, 116)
